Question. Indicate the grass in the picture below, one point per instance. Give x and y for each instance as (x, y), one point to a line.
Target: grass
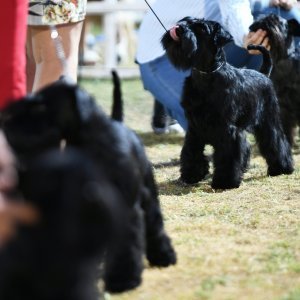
(239, 244)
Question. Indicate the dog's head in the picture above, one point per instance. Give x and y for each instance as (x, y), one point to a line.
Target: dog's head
(40, 121)
(280, 33)
(77, 204)
(192, 40)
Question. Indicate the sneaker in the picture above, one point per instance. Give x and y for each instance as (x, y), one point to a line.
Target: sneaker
(162, 123)
(174, 127)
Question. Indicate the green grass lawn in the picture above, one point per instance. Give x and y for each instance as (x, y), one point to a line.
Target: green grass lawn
(238, 244)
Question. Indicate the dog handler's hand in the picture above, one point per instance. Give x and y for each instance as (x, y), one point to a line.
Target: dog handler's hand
(11, 213)
(285, 4)
(256, 38)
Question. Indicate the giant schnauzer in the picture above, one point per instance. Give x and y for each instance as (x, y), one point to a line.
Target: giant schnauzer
(221, 103)
(59, 255)
(65, 112)
(286, 69)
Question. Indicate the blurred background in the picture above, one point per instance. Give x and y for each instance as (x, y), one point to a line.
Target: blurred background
(109, 37)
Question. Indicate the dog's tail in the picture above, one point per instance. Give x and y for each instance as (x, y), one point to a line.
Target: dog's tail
(267, 64)
(117, 107)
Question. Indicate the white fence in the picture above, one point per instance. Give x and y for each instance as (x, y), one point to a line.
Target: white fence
(108, 10)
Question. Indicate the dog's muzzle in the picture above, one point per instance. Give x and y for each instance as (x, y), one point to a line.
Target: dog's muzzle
(173, 33)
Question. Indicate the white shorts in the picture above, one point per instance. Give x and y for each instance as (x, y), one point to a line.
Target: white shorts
(54, 12)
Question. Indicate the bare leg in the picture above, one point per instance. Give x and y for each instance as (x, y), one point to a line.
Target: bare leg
(30, 63)
(48, 67)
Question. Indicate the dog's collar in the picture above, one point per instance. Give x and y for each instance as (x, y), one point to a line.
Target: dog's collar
(210, 72)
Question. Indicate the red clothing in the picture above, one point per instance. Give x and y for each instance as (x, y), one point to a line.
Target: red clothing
(13, 20)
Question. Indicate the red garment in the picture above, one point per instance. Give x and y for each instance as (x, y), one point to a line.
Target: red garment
(13, 20)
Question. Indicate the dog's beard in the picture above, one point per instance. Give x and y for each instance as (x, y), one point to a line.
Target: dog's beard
(180, 52)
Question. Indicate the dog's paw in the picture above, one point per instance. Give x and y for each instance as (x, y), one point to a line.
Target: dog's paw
(280, 171)
(120, 286)
(224, 185)
(191, 179)
(160, 252)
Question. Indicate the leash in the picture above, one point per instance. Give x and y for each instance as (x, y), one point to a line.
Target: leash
(59, 48)
(156, 16)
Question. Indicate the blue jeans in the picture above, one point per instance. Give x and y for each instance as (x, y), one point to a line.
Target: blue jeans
(166, 83)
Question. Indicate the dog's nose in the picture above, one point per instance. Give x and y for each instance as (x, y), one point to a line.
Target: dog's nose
(173, 33)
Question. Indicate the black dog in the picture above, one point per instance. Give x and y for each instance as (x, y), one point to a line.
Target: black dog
(63, 111)
(59, 256)
(286, 70)
(221, 103)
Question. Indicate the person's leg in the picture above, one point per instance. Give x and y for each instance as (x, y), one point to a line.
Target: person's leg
(165, 83)
(159, 118)
(30, 63)
(48, 66)
(13, 18)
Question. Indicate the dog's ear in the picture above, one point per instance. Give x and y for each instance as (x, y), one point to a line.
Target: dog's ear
(294, 27)
(222, 37)
(84, 103)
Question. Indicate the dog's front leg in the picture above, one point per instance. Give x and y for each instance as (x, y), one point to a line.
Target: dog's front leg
(124, 261)
(159, 249)
(231, 158)
(193, 163)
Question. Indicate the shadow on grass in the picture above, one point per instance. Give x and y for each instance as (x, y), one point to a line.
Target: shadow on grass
(150, 139)
(171, 163)
(178, 188)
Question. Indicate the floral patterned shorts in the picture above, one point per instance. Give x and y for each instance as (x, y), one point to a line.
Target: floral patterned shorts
(54, 12)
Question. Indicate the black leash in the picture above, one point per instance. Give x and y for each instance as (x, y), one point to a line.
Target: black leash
(156, 16)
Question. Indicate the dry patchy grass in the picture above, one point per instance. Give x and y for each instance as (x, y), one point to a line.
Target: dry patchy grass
(239, 244)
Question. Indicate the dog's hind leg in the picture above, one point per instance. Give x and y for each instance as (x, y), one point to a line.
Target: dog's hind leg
(159, 250)
(289, 121)
(124, 262)
(273, 143)
(231, 157)
(194, 164)
(245, 151)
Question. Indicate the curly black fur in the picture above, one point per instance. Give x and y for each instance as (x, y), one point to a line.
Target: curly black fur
(221, 103)
(59, 256)
(286, 71)
(66, 112)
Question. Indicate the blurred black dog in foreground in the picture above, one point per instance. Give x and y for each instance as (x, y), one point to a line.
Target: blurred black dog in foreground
(65, 112)
(221, 103)
(59, 256)
(286, 70)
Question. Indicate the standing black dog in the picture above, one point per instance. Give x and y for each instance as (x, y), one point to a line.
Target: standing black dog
(221, 103)
(59, 256)
(286, 70)
(64, 111)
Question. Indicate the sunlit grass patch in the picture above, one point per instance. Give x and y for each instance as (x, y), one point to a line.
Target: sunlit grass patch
(239, 244)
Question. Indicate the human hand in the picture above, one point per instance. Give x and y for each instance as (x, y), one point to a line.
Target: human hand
(12, 213)
(285, 4)
(257, 38)
(8, 174)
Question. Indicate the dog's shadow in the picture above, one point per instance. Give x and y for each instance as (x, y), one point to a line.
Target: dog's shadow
(149, 139)
(178, 188)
